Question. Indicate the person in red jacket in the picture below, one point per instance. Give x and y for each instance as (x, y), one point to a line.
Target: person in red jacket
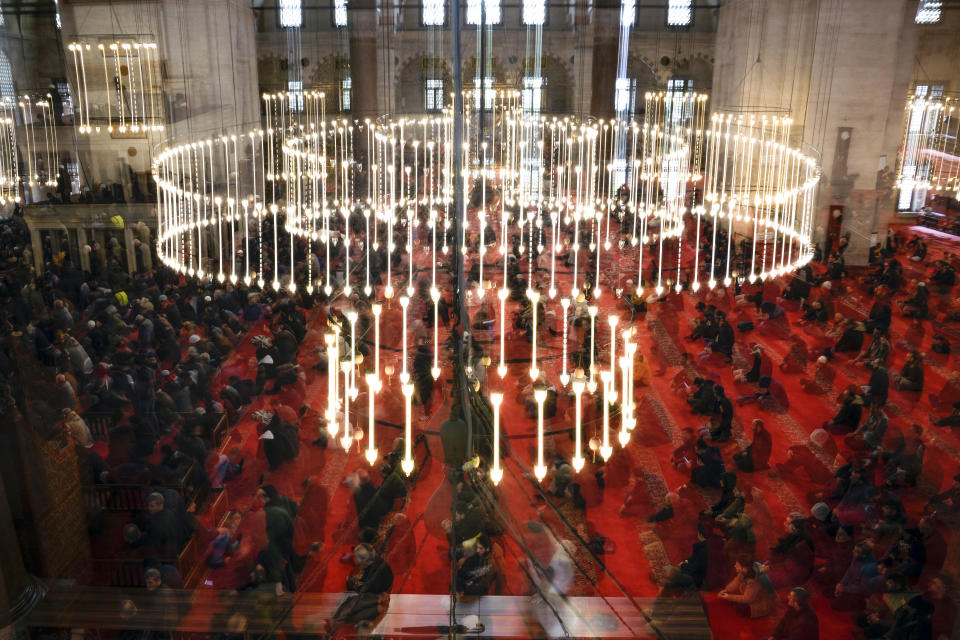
(756, 457)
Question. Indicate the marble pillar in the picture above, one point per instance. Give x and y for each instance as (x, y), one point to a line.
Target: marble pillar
(363, 59)
(19, 591)
(36, 242)
(84, 256)
(131, 252)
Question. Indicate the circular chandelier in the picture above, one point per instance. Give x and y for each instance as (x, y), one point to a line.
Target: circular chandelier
(686, 200)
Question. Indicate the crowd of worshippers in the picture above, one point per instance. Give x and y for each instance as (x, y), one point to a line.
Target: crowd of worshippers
(139, 353)
(858, 544)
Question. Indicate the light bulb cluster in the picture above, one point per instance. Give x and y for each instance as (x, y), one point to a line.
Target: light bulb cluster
(930, 151)
(117, 85)
(590, 190)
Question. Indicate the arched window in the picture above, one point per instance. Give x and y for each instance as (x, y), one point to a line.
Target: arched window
(6, 78)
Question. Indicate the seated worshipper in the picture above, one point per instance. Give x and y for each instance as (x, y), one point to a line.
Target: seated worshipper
(641, 371)
(946, 504)
(857, 581)
(723, 343)
(822, 381)
(287, 374)
(791, 559)
(870, 434)
(762, 393)
(916, 306)
(685, 455)
(795, 361)
(848, 417)
(750, 594)
(910, 377)
(709, 467)
(858, 497)
(850, 339)
(911, 619)
(692, 572)
(279, 439)
(919, 249)
(939, 594)
(838, 558)
(724, 417)
(370, 504)
(903, 464)
(813, 313)
(805, 457)
(773, 315)
(475, 571)
(879, 316)
(891, 524)
(877, 388)
(952, 420)
(822, 525)
(756, 366)
(799, 287)
(731, 499)
(702, 400)
(756, 457)
(370, 587)
(77, 428)
(877, 351)
(527, 397)
(944, 276)
(800, 620)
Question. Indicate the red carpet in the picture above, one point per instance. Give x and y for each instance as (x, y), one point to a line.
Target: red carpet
(642, 551)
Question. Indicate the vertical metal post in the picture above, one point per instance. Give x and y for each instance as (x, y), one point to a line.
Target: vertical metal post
(459, 288)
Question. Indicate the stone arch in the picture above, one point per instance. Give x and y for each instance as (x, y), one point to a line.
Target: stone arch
(695, 68)
(411, 82)
(501, 78)
(272, 74)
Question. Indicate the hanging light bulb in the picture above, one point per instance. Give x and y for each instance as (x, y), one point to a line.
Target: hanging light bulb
(347, 439)
(564, 376)
(540, 470)
(404, 374)
(372, 452)
(592, 383)
(332, 359)
(496, 473)
(534, 297)
(579, 384)
(377, 309)
(407, 463)
(606, 450)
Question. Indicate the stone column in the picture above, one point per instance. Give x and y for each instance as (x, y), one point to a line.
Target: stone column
(54, 241)
(603, 75)
(81, 241)
(73, 249)
(582, 68)
(841, 69)
(19, 592)
(131, 251)
(363, 59)
(37, 241)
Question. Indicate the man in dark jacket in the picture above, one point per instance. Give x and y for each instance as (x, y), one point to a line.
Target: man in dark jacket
(800, 621)
(374, 580)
